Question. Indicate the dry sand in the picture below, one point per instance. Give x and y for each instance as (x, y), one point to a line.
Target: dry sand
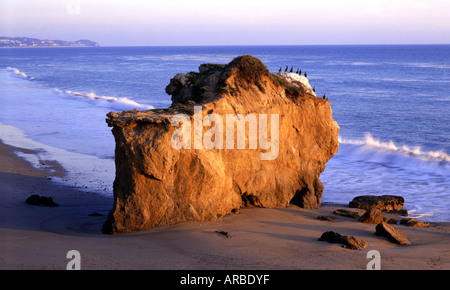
(39, 237)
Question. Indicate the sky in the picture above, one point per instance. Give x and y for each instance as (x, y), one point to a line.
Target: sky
(230, 22)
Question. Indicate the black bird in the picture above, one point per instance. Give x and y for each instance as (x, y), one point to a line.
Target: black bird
(285, 70)
(292, 69)
(323, 96)
(296, 71)
(306, 75)
(300, 72)
(314, 89)
(279, 69)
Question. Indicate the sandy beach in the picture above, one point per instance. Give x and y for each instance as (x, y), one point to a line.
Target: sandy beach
(39, 237)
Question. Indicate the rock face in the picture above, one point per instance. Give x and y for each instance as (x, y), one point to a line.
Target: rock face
(167, 173)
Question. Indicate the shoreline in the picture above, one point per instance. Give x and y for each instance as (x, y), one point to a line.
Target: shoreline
(39, 237)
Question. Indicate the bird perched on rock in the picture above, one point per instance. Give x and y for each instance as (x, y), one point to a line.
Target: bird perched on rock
(279, 69)
(314, 89)
(285, 70)
(306, 75)
(323, 96)
(292, 69)
(300, 72)
(296, 71)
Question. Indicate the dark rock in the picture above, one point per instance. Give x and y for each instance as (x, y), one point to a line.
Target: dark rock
(410, 222)
(402, 212)
(394, 235)
(33, 199)
(372, 216)
(226, 234)
(347, 213)
(40, 200)
(326, 218)
(390, 221)
(348, 242)
(386, 203)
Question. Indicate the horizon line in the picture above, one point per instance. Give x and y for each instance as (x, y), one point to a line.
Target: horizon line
(330, 44)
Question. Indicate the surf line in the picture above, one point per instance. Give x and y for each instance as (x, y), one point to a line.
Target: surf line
(213, 138)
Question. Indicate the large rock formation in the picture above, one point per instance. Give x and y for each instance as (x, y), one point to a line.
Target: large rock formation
(167, 173)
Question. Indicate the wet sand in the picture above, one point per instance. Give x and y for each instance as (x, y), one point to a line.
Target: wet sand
(39, 237)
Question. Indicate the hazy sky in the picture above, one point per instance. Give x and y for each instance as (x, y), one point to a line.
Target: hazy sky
(229, 22)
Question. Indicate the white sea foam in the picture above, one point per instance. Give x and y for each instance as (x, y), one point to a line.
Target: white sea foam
(372, 167)
(84, 171)
(352, 63)
(363, 63)
(415, 80)
(428, 65)
(20, 73)
(35, 159)
(420, 65)
(416, 152)
(121, 103)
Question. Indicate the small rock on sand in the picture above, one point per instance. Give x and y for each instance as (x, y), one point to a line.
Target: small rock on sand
(40, 200)
(348, 242)
(393, 235)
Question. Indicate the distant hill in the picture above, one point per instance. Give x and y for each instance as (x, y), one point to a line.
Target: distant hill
(34, 42)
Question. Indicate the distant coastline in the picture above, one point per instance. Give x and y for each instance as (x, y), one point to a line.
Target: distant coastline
(35, 42)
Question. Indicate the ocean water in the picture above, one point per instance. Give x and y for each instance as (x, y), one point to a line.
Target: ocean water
(392, 104)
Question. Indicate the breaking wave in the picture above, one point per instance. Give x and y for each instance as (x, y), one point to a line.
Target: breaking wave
(121, 103)
(391, 147)
(20, 73)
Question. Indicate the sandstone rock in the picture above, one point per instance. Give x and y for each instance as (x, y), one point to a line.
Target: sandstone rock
(385, 202)
(372, 216)
(411, 222)
(347, 213)
(348, 242)
(326, 218)
(389, 220)
(157, 184)
(393, 235)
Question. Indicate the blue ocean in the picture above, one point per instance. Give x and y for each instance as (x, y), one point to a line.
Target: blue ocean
(392, 103)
